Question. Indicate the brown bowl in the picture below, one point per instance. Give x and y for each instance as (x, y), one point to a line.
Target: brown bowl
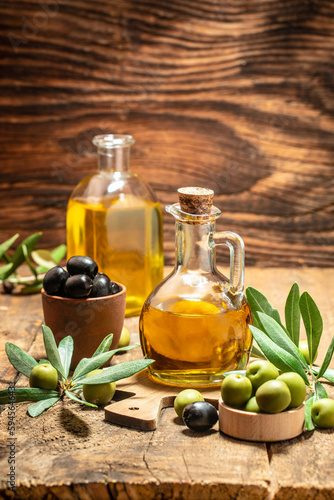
(88, 321)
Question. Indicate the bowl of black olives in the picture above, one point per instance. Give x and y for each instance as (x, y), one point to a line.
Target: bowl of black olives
(84, 303)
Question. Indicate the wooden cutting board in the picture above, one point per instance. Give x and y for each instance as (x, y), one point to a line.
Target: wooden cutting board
(138, 401)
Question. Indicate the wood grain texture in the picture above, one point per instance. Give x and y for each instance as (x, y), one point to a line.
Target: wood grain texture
(142, 400)
(236, 96)
(75, 454)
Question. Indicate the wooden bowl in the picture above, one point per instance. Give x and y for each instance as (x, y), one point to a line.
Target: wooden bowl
(88, 321)
(261, 426)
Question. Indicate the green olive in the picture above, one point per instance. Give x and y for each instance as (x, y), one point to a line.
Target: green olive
(322, 413)
(98, 394)
(296, 386)
(236, 389)
(303, 347)
(44, 376)
(260, 371)
(252, 406)
(273, 396)
(184, 398)
(124, 338)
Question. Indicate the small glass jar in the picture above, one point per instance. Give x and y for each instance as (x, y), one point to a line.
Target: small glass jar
(113, 216)
(195, 323)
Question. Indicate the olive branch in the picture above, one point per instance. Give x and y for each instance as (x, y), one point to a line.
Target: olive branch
(25, 251)
(280, 344)
(60, 358)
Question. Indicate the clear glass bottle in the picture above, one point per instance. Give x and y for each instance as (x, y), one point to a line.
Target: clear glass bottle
(195, 323)
(114, 217)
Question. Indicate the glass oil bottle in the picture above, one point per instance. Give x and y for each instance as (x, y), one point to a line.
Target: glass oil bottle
(114, 217)
(195, 323)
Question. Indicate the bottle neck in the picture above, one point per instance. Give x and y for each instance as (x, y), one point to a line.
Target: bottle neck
(114, 159)
(193, 248)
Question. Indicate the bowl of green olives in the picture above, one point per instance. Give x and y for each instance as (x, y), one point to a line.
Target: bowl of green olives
(262, 404)
(84, 303)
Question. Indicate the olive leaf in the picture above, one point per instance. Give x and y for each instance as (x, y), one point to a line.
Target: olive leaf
(37, 408)
(328, 374)
(78, 400)
(86, 365)
(28, 261)
(7, 244)
(117, 372)
(65, 349)
(105, 345)
(18, 257)
(256, 353)
(52, 351)
(4, 270)
(327, 360)
(56, 255)
(308, 418)
(43, 258)
(320, 391)
(21, 360)
(313, 323)
(292, 314)
(32, 288)
(258, 302)
(125, 348)
(238, 372)
(282, 359)
(256, 321)
(25, 394)
(276, 333)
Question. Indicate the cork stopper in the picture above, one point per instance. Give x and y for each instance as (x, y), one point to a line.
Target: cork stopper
(195, 200)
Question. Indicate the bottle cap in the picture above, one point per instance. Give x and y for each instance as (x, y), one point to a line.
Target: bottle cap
(195, 200)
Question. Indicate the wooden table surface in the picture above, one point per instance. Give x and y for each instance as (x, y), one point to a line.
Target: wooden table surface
(71, 452)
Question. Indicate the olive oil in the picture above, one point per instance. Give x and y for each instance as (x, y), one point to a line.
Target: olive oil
(114, 217)
(194, 341)
(195, 323)
(123, 235)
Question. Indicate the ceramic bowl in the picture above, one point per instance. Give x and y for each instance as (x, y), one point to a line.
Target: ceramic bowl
(88, 321)
(261, 426)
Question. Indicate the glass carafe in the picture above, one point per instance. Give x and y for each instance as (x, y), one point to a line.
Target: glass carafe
(195, 323)
(114, 217)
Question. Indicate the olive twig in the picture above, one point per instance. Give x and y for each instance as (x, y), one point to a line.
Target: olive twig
(50, 379)
(22, 280)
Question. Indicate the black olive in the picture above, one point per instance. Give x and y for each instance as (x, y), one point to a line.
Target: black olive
(101, 284)
(200, 416)
(78, 286)
(54, 281)
(8, 286)
(79, 264)
(114, 288)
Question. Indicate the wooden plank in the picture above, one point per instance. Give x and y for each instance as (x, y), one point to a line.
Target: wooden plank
(71, 452)
(141, 401)
(71, 446)
(21, 319)
(303, 468)
(233, 96)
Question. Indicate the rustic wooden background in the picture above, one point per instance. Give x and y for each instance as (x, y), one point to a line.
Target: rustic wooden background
(236, 95)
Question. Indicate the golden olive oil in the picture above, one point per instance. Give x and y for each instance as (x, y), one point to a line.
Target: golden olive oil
(194, 341)
(123, 235)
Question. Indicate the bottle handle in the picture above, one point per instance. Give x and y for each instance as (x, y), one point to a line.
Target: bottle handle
(237, 259)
